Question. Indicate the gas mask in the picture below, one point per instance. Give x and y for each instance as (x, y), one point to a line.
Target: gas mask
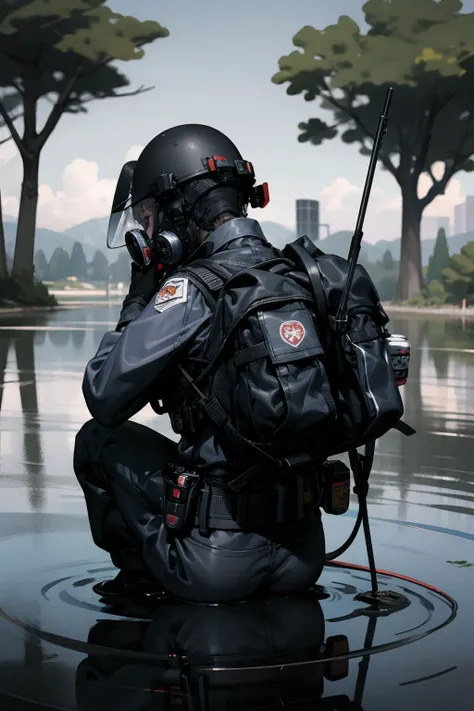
(168, 233)
(137, 227)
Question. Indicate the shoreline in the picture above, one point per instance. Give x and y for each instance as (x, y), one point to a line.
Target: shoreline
(6, 311)
(75, 303)
(445, 311)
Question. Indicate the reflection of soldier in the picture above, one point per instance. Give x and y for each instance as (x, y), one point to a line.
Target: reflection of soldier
(183, 640)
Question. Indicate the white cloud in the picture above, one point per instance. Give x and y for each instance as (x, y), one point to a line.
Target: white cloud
(340, 203)
(82, 197)
(133, 153)
(334, 196)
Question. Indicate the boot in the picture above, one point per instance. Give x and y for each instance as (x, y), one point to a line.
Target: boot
(129, 584)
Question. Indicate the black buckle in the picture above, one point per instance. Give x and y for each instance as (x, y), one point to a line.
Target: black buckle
(339, 325)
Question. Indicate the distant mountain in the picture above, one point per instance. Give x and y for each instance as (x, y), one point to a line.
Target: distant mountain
(92, 235)
(47, 240)
(277, 234)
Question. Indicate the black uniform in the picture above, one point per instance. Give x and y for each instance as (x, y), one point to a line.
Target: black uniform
(119, 466)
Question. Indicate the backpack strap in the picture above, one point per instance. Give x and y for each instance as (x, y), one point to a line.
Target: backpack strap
(302, 257)
(236, 442)
(404, 429)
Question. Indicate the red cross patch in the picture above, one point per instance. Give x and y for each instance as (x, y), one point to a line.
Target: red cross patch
(292, 332)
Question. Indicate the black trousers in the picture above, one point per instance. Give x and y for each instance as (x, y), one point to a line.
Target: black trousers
(120, 472)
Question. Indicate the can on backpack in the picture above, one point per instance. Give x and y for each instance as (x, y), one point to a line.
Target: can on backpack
(399, 350)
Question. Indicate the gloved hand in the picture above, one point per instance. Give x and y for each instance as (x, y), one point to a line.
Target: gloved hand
(144, 283)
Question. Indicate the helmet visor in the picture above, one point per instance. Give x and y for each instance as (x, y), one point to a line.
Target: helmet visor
(125, 215)
(140, 216)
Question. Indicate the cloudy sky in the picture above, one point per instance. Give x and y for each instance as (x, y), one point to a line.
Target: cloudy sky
(215, 68)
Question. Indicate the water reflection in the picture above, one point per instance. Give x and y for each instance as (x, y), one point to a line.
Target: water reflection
(427, 478)
(432, 471)
(60, 339)
(24, 349)
(77, 338)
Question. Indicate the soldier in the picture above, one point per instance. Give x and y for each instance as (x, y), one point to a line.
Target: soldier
(190, 190)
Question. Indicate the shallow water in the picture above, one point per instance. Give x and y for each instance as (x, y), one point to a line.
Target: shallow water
(421, 496)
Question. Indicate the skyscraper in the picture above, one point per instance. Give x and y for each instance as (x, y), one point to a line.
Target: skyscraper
(307, 218)
(469, 213)
(460, 218)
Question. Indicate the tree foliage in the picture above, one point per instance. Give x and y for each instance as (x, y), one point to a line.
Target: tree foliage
(79, 267)
(388, 262)
(459, 276)
(61, 52)
(99, 267)
(59, 265)
(439, 260)
(119, 270)
(425, 49)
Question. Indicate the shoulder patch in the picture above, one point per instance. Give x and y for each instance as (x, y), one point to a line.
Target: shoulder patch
(172, 293)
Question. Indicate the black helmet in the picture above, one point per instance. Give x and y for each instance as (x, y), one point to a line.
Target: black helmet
(184, 153)
(192, 174)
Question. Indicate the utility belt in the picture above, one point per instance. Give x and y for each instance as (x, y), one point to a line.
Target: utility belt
(190, 502)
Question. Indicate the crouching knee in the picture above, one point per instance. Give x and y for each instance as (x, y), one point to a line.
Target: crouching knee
(89, 443)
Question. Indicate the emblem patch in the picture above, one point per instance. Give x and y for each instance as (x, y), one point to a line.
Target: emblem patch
(172, 293)
(292, 332)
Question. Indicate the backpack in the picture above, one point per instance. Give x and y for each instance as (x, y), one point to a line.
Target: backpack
(282, 383)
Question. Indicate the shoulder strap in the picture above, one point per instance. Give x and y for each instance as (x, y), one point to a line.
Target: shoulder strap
(209, 281)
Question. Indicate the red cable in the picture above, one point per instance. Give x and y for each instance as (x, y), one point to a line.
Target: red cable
(353, 566)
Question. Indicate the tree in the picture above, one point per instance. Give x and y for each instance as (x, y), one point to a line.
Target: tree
(79, 266)
(61, 49)
(387, 261)
(439, 260)
(99, 267)
(41, 266)
(12, 103)
(459, 276)
(120, 269)
(59, 265)
(425, 49)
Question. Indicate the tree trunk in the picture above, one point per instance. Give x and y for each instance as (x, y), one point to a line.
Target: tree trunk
(410, 281)
(3, 250)
(23, 263)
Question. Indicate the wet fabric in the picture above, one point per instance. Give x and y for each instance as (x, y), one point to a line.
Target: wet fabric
(120, 471)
